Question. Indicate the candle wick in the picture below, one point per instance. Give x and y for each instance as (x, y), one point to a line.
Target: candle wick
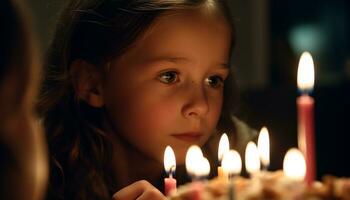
(231, 190)
(171, 171)
(195, 178)
(305, 92)
(231, 176)
(265, 168)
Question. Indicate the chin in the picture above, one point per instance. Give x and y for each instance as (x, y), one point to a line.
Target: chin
(180, 160)
(180, 154)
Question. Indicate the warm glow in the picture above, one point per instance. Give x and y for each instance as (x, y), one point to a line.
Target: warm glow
(224, 146)
(264, 147)
(203, 169)
(252, 161)
(231, 163)
(306, 72)
(194, 159)
(169, 160)
(294, 165)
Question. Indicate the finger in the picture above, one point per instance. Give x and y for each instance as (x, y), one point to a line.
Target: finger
(152, 194)
(132, 191)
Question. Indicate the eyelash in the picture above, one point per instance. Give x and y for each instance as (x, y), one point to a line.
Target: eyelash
(219, 81)
(171, 77)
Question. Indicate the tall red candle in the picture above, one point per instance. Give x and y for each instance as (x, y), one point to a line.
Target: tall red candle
(306, 134)
(305, 104)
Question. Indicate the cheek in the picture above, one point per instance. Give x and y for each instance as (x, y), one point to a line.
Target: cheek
(142, 116)
(150, 119)
(216, 101)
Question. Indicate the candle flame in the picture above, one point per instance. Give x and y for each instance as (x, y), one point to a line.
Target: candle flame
(294, 165)
(203, 168)
(224, 146)
(264, 146)
(169, 160)
(231, 163)
(252, 161)
(193, 160)
(306, 72)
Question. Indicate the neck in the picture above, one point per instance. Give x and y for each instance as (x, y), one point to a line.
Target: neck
(130, 165)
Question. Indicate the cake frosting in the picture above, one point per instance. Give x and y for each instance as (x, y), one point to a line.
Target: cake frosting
(264, 186)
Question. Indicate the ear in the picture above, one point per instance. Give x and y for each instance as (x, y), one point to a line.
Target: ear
(87, 82)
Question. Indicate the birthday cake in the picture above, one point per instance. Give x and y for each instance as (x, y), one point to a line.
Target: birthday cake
(265, 186)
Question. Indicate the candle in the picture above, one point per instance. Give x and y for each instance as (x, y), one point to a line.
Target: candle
(231, 163)
(197, 167)
(264, 148)
(170, 166)
(305, 105)
(252, 161)
(224, 146)
(194, 157)
(294, 166)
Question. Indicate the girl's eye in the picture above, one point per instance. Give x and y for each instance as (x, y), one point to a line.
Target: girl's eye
(215, 81)
(169, 77)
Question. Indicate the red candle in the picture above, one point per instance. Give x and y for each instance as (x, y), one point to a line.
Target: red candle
(169, 185)
(170, 166)
(305, 104)
(306, 134)
(197, 189)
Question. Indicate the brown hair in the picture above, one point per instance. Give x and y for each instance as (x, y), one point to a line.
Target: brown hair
(95, 31)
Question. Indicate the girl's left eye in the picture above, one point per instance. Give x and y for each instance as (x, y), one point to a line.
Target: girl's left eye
(215, 81)
(169, 77)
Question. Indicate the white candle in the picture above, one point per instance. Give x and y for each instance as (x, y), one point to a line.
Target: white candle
(252, 160)
(294, 166)
(231, 163)
(264, 147)
(224, 146)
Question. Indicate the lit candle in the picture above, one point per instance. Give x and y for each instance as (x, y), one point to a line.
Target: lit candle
(203, 168)
(170, 166)
(194, 157)
(231, 163)
(264, 148)
(252, 161)
(197, 166)
(294, 166)
(305, 104)
(224, 146)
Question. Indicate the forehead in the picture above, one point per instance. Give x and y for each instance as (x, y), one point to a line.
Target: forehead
(186, 33)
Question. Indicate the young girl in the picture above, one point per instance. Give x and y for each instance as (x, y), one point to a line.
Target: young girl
(126, 78)
(23, 159)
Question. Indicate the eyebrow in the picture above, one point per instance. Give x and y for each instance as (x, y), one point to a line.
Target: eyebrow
(183, 59)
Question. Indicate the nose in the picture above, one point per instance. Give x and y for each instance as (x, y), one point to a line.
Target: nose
(196, 104)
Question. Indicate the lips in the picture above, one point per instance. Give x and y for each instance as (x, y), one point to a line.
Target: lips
(188, 137)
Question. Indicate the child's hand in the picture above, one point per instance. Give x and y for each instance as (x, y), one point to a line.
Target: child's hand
(140, 190)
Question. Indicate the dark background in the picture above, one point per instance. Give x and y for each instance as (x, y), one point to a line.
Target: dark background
(294, 26)
(272, 34)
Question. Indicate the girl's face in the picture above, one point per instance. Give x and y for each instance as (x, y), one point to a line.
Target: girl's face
(167, 89)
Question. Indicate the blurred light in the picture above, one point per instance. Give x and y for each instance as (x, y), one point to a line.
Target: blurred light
(307, 37)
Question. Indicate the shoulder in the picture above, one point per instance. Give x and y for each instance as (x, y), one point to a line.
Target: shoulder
(239, 135)
(244, 134)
